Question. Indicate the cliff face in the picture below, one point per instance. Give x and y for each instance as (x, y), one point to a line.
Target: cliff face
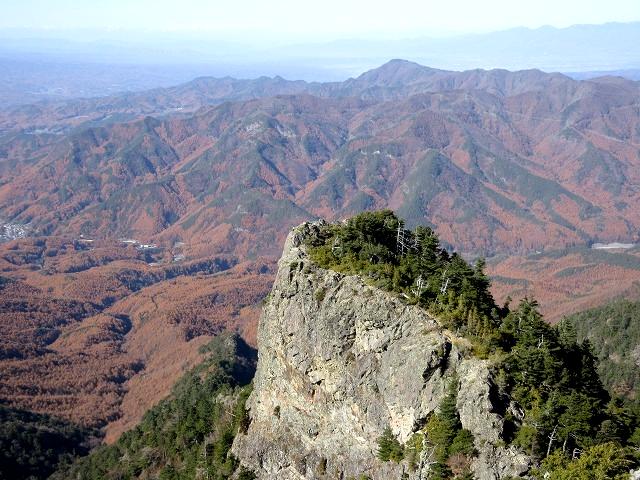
(339, 361)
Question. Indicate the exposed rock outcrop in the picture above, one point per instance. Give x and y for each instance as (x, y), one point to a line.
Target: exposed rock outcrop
(339, 361)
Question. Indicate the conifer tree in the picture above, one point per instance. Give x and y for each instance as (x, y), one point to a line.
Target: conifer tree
(389, 447)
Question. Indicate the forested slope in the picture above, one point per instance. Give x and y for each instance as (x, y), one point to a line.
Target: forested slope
(614, 332)
(32, 446)
(189, 434)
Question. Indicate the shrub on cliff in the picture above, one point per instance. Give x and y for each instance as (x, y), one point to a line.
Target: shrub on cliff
(389, 447)
(452, 445)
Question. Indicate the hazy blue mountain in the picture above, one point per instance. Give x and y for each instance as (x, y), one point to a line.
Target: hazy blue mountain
(633, 74)
(34, 66)
(576, 48)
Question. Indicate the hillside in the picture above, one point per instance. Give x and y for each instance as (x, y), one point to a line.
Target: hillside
(524, 160)
(567, 280)
(98, 336)
(187, 435)
(613, 330)
(34, 446)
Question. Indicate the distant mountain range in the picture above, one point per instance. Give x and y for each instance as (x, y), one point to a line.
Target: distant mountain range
(47, 65)
(633, 74)
(530, 159)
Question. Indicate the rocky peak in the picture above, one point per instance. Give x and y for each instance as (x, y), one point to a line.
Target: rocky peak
(339, 362)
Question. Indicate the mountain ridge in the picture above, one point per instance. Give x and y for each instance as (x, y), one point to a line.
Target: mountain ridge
(512, 138)
(204, 91)
(101, 68)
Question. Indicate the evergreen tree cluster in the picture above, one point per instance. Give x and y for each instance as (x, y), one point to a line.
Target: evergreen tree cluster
(614, 332)
(602, 461)
(188, 435)
(413, 264)
(452, 446)
(554, 380)
(389, 448)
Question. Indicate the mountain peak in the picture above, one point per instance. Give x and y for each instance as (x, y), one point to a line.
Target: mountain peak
(399, 70)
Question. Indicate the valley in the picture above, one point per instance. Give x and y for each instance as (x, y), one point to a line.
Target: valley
(97, 335)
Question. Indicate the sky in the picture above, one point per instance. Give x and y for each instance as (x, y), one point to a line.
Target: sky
(319, 20)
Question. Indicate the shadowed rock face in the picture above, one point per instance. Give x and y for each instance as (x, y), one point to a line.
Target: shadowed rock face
(339, 361)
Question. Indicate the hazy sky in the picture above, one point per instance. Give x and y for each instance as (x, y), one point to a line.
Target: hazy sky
(317, 20)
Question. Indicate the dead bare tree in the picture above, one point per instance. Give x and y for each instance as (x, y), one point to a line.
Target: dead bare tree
(552, 437)
(420, 287)
(445, 285)
(336, 249)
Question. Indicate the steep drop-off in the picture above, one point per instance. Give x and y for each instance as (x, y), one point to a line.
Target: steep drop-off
(340, 361)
